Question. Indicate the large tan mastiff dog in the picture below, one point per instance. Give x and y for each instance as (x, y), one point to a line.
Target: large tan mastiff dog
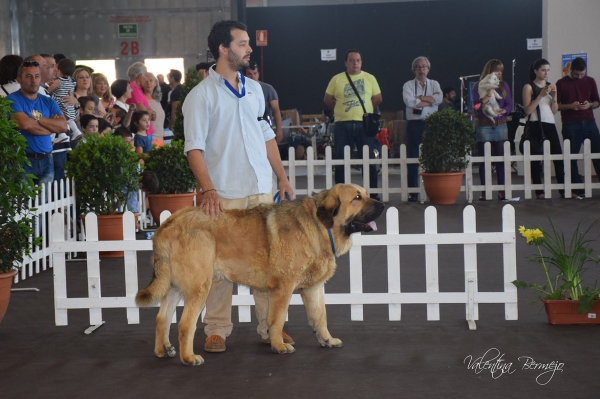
(275, 248)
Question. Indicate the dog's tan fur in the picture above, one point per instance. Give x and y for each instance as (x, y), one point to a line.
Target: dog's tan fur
(276, 248)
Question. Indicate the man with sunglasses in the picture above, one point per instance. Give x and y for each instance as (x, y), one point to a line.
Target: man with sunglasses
(37, 117)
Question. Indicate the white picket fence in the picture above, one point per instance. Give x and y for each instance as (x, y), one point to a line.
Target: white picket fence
(53, 198)
(356, 298)
(389, 166)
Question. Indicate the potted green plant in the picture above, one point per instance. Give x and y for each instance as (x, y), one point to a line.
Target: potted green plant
(16, 218)
(105, 171)
(566, 298)
(192, 78)
(448, 140)
(176, 182)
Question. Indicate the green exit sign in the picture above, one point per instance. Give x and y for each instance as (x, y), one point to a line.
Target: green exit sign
(128, 30)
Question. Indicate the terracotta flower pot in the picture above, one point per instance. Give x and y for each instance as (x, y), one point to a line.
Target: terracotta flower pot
(565, 312)
(442, 188)
(169, 202)
(110, 228)
(5, 284)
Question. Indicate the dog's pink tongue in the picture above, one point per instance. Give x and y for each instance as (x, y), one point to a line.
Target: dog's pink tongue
(373, 225)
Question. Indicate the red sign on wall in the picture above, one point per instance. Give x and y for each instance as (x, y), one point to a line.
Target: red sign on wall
(261, 37)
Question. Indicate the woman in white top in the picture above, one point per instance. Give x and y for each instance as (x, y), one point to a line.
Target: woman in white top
(541, 93)
(154, 95)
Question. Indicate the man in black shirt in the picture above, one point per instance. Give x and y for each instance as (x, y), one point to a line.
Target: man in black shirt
(174, 96)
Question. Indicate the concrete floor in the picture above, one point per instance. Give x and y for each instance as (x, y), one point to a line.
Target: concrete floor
(412, 358)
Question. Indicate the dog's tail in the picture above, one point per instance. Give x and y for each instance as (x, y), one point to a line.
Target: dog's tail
(161, 277)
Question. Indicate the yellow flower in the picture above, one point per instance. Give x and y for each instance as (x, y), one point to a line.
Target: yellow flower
(531, 234)
(537, 233)
(522, 230)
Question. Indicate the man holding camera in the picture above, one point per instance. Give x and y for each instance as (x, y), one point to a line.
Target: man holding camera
(422, 97)
(341, 97)
(577, 96)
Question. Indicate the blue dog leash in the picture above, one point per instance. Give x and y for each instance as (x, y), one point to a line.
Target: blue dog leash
(277, 200)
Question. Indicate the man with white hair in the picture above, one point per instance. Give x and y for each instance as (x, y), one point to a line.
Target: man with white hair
(137, 79)
(422, 97)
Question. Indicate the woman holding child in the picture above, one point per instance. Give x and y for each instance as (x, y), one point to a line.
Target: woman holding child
(154, 95)
(495, 132)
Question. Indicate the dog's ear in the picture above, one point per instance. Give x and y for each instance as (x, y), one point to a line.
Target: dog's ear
(328, 206)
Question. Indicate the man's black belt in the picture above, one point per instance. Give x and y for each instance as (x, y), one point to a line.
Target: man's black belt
(38, 155)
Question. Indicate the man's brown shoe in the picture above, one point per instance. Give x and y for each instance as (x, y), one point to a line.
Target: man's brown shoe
(286, 339)
(214, 343)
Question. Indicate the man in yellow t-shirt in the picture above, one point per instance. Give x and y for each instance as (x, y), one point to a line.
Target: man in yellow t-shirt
(348, 111)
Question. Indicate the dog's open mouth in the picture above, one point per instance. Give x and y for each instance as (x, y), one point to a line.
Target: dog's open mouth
(366, 227)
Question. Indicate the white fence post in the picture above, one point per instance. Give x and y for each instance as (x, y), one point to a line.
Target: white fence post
(393, 258)
(93, 267)
(431, 263)
(60, 272)
(470, 254)
(131, 267)
(509, 255)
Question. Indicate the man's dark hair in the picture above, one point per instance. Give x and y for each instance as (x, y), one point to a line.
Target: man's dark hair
(253, 65)
(59, 56)
(220, 34)
(578, 65)
(204, 65)
(85, 120)
(66, 67)
(351, 51)
(447, 90)
(119, 87)
(176, 75)
(44, 55)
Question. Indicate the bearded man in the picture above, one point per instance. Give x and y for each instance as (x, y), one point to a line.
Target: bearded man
(232, 155)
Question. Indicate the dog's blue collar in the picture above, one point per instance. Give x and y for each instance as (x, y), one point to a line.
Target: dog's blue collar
(331, 241)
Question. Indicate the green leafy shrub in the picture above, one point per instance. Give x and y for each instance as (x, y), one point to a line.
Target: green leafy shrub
(192, 78)
(172, 169)
(105, 171)
(447, 140)
(16, 189)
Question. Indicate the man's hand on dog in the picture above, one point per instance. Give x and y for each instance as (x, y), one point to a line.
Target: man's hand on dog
(212, 204)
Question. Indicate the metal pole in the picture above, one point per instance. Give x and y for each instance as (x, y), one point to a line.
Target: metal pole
(262, 63)
(514, 64)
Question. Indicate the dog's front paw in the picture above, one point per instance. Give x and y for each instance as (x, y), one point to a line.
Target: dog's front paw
(195, 360)
(331, 343)
(283, 348)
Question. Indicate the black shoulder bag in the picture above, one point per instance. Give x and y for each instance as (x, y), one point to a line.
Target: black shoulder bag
(536, 144)
(370, 121)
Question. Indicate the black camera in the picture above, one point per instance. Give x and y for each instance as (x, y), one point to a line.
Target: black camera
(416, 111)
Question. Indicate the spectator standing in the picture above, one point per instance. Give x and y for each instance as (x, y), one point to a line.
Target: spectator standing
(154, 95)
(9, 68)
(59, 89)
(140, 124)
(137, 80)
(37, 117)
(203, 68)
(272, 112)
(449, 100)
(421, 97)
(165, 89)
(233, 158)
(101, 91)
(349, 130)
(173, 97)
(495, 132)
(577, 96)
(539, 101)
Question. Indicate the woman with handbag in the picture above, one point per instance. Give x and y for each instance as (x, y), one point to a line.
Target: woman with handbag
(495, 132)
(539, 100)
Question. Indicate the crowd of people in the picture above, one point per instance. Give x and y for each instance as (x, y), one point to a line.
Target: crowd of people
(57, 103)
(146, 105)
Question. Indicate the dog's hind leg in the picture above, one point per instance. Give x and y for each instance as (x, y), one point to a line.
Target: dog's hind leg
(162, 346)
(314, 301)
(194, 300)
(279, 301)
